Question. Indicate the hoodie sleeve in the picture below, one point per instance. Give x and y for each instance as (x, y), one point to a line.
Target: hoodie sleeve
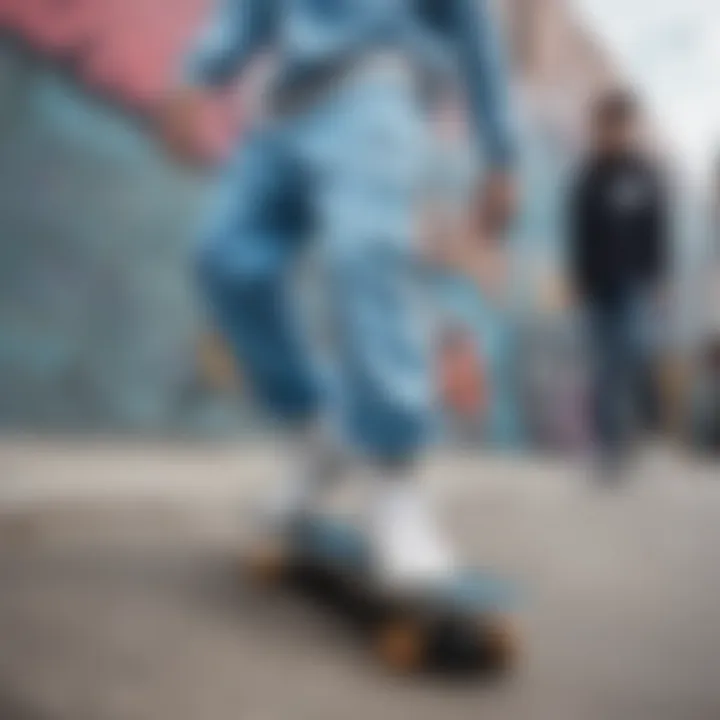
(478, 38)
(237, 30)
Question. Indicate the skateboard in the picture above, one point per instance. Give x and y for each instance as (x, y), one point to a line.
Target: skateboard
(464, 626)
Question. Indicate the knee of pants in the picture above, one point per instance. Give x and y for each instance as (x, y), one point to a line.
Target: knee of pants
(243, 294)
(233, 295)
(223, 270)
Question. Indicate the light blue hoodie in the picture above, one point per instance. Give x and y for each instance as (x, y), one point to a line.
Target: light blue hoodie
(455, 40)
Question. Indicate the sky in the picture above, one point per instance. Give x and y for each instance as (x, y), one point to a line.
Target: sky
(671, 50)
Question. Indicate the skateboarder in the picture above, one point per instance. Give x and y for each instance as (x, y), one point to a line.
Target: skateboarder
(339, 160)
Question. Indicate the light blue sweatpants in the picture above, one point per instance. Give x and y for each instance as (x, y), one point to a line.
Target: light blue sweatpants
(346, 175)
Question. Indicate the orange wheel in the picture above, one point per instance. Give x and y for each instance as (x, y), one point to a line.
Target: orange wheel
(401, 644)
(499, 643)
(265, 565)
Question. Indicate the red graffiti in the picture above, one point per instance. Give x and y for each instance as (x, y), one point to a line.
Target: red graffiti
(127, 48)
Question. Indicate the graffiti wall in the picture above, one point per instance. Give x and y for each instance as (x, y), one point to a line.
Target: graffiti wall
(98, 321)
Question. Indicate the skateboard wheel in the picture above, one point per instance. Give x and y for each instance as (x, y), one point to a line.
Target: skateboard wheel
(266, 564)
(401, 645)
(499, 644)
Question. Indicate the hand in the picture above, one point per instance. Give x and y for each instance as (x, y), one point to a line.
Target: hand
(179, 118)
(496, 204)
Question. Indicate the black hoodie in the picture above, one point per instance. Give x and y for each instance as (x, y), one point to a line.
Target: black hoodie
(618, 226)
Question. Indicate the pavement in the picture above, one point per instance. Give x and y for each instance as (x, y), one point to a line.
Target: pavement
(120, 597)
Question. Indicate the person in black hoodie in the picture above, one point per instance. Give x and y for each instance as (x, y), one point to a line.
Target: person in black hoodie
(618, 234)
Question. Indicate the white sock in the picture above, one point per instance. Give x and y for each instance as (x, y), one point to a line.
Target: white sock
(313, 461)
(409, 547)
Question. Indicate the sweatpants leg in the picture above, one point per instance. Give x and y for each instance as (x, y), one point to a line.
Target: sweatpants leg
(244, 266)
(367, 211)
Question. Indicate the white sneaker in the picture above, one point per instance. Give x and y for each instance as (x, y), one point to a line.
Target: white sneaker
(409, 549)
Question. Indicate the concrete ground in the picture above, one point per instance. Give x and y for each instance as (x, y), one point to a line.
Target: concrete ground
(120, 600)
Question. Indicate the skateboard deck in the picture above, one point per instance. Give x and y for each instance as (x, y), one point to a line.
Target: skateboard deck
(464, 625)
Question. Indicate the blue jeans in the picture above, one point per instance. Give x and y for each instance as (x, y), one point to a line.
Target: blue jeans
(619, 341)
(346, 174)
